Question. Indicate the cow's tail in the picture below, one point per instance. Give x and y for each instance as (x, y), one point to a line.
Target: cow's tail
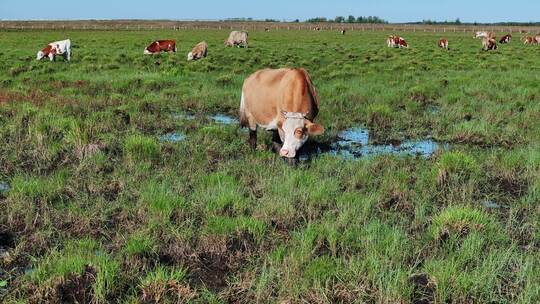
(243, 117)
(312, 91)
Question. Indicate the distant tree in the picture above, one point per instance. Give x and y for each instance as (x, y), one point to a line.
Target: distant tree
(339, 19)
(317, 20)
(351, 19)
(296, 20)
(457, 22)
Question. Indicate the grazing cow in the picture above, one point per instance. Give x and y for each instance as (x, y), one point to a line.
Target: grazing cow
(484, 34)
(266, 29)
(443, 43)
(489, 44)
(198, 52)
(396, 41)
(343, 31)
(237, 38)
(528, 40)
(317, 28)
(159, 46)
(506, 39)
(62, 47)
(284, 101)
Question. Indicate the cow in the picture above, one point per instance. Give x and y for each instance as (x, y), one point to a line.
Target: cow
(237, 38)
(62, 47)
(531, 39)
(284, 101)
(443, 43)
(528, 40)
(199, 51)
(159, 46)
(396, 41)
(505, 39)
(343, 31)
(489, 44)
(484, 34)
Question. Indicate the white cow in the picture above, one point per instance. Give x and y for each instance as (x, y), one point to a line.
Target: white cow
(62, 47)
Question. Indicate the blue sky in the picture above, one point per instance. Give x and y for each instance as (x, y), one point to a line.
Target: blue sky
(391, 10)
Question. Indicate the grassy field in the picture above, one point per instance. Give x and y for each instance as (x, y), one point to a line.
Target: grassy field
(97, 207)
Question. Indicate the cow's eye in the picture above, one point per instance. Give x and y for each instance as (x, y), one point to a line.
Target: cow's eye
(299, 133)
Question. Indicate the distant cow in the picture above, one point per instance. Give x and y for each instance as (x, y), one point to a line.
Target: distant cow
(198, 52)
(159, 46)
(443, 43)
(62, 47)
(506, 39)
(343, 31)
(237, 38)
(396, 41)
(531, 39)
(484, 34)
(317, 28)
(489, 44)
(283, 101)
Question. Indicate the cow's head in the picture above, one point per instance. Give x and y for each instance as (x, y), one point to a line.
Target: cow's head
(147, 52)
(294, 131)
(190, 56)
(40, 55)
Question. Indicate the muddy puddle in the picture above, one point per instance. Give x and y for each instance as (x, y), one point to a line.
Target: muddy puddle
(178, 136)
(354, 143)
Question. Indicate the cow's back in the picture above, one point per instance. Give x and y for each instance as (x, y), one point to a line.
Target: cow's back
(268, 92)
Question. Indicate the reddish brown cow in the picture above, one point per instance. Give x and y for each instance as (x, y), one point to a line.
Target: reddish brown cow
(160, 46)
(489, 44)
(443, 43)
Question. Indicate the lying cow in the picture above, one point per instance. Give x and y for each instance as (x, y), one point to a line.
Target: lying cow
(284, 101)
(198, 52)
(159, 46)
(396, 41)
(489, 44)
(505, 39)
(443, 43)
(237, 38)
(62, 47)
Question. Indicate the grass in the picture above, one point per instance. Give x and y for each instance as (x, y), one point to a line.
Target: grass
(99, 205)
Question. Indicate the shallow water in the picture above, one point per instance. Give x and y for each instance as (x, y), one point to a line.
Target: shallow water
(354, 143)
(492, 205)
(172, 137)
(4, 187)
(224, 119)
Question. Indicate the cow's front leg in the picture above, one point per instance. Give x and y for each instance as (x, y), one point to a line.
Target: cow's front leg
(276, 141)
(253, 139)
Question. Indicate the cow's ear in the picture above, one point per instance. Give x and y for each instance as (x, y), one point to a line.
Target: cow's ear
(314, 129)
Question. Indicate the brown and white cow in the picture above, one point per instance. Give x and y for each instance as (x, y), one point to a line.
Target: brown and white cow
(505, 39)
(531, 39)
(283, 101)
(198, 52)
(396, 41)
(489, 44)
(62, 47)
(237, 38)
(159, 46)
(343, 31)
(443, 43)
(484, 34)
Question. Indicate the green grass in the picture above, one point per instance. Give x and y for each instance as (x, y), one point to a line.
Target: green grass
(98, 202)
